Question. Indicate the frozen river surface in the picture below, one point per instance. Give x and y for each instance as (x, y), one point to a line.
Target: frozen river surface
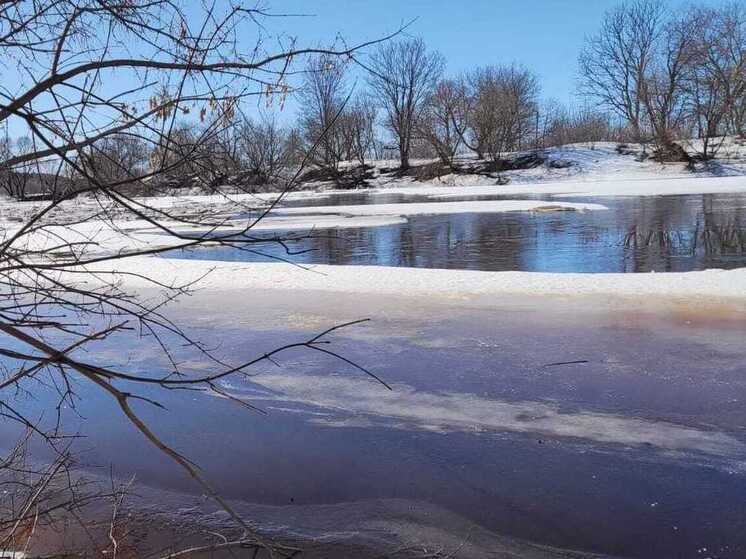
(614, 433)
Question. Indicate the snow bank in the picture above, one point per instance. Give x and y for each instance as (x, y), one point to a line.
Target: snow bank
(597, 187)
(451, 285)
(596, 162)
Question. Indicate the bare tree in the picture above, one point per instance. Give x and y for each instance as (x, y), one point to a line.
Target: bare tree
(357, 128)
(643, 65)
(706, 92)
(663, 87)
(503, 110)
(402, 75)
(115, 158)
(485, 101)
(725, 40)
(295, 148)
(175, 155)
(224, 151)
(264, 148)
(564, 126)
(444, 119)
(194, 155)
(616, 62)
(15, 179)
(716, 78)
(324, 97)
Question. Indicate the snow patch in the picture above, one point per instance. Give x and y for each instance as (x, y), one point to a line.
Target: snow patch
(356, 402)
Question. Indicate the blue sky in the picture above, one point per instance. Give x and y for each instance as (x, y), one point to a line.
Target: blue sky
(544, 35)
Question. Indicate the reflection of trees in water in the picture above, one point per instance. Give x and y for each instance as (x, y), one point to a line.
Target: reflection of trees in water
(712, 240)
(708, 230)
(471, 241)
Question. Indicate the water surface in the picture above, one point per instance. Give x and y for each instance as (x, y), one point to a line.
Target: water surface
(636, 234)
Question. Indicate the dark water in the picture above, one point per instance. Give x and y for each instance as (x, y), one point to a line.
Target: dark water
(590, 460)
(637, 234)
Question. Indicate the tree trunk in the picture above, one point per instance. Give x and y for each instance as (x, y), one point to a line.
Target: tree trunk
(404, 157)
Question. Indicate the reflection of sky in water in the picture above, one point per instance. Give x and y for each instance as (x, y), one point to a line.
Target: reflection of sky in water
(637, 234)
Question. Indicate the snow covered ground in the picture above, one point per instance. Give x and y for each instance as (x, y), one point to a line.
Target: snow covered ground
(650, 186)
(595, 170)
(597, 162)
